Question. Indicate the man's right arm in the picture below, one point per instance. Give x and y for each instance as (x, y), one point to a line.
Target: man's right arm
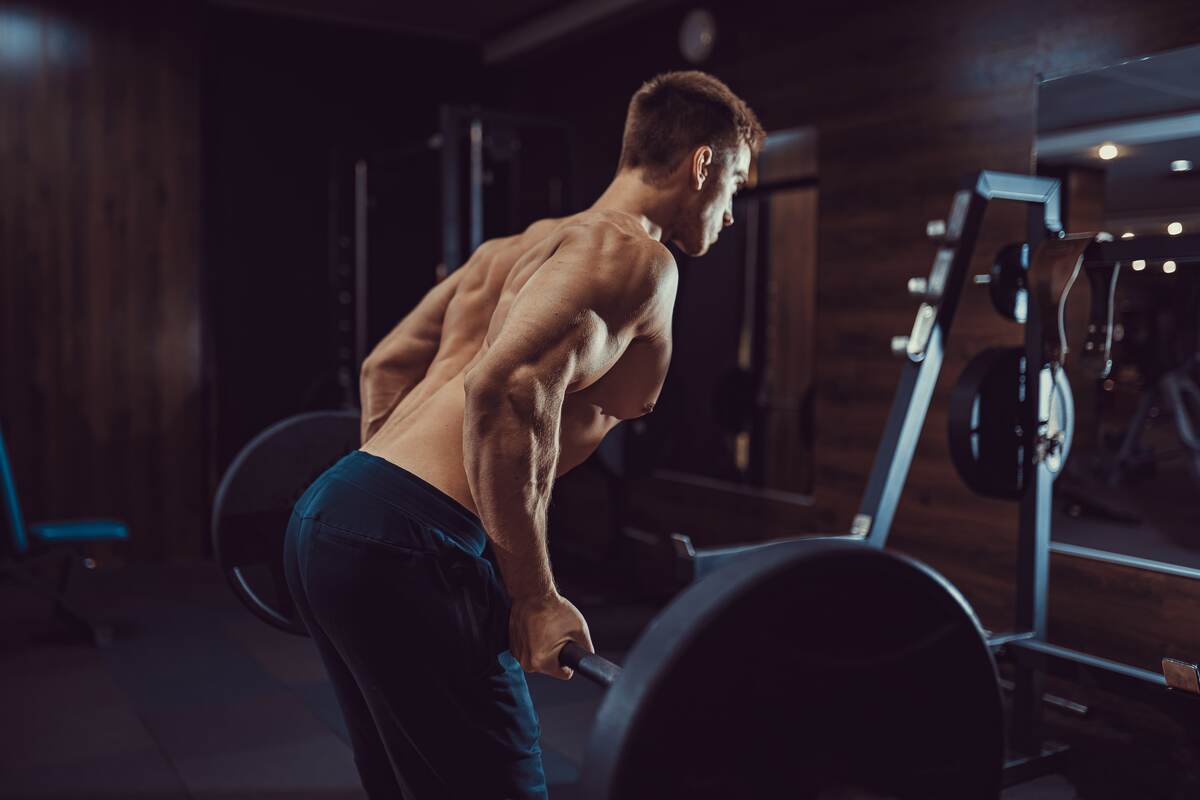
(565, 329)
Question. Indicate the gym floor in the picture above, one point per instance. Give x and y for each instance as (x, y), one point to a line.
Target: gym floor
(198, 699)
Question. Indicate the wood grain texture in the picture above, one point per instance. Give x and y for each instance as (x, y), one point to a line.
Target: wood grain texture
(791, 306)
(906, 99)
(101, 398)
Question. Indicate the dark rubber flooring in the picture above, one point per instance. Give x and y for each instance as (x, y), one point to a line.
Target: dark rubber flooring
(199, 699)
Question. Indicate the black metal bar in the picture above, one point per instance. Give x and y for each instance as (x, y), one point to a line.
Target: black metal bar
(1084, 669)
(451, 231)
(360, 267)
(475, 216)
(589, 665)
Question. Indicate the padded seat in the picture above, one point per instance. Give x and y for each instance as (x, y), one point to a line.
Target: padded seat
(23, 536)
(80, 530)
(58, 538)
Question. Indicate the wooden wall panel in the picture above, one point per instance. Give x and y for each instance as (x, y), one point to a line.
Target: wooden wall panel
(791, 305)
(906, 99)
(100, 208)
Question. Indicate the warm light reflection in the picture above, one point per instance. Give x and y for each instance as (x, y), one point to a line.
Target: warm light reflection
(1108, 151)
(1127, 235)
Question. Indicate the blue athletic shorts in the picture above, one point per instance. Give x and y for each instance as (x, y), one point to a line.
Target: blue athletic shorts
(390, 577)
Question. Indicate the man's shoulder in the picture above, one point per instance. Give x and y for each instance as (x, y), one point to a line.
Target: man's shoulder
(618, 238)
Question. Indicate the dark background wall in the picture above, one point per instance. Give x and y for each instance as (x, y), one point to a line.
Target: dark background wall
(164, 239)
(101, 380)
(906, 98)
(289, 105)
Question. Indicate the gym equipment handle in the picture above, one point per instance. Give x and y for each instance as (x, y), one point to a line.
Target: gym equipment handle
(589, 665)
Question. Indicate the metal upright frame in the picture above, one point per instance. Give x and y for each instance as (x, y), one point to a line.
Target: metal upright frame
(923, 351)
(924, 348)
(455, 121)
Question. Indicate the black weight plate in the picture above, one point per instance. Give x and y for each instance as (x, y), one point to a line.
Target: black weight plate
(984, 419)
(1008, 284)
(255, 499)
(984, 422)
(813, 667)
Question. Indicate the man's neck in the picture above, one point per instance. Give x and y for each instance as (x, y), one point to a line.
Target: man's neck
(629, 194)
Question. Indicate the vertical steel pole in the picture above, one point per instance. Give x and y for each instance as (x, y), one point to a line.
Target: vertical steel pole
(476, 183)
(360, 264)
(451, 229)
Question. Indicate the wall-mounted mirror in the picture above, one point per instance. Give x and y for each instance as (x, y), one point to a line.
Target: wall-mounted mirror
(1125, 140)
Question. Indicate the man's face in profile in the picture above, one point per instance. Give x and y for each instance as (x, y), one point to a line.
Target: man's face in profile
(714, 209)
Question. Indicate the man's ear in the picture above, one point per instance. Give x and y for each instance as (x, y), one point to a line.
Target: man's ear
(701, 166)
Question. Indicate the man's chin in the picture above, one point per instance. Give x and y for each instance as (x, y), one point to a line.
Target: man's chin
(691, 249)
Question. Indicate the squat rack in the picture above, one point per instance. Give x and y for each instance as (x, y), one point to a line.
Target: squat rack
(1032, 656)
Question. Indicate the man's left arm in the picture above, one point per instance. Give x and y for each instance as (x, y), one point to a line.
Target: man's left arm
(401, 359)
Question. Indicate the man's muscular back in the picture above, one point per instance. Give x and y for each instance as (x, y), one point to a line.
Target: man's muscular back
(597, 266)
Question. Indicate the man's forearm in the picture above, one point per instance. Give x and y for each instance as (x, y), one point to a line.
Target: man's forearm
(510, 451)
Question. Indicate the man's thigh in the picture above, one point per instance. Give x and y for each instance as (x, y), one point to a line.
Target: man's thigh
(425, 636)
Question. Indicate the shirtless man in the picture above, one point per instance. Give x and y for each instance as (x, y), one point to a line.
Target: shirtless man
(508, 374)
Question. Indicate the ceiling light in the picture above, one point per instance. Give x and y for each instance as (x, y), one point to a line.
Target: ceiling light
(1108, 151)
(1127, 235)
(1175, 228)
(1139, 265)
(1182, 165)
(1168, 267)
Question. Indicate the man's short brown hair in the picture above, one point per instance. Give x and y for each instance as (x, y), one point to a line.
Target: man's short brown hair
(676, 112)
